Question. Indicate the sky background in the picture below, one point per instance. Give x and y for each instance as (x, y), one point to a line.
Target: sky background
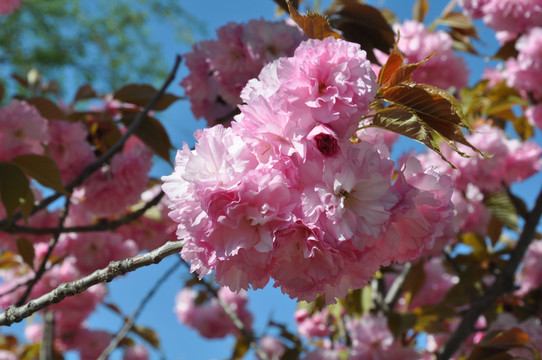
(177, 341)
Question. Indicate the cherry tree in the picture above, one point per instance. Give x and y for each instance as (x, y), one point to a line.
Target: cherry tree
(426, 256)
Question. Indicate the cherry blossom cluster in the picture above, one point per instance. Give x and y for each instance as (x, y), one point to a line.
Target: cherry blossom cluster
(210, 319)
(510, 161)
(445, 69)
(508, 17)
(107, 194)
(219, 69)
(285, 194)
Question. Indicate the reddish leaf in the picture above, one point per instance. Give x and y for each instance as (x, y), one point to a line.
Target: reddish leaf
(2, 91)
(242, 345)
(496, 347)
(419, 10)
(314, 25)
(47, 108)
(506, 51)
(284, 6)
(459, 22)
(153, 134)
(393, 72)
(141, 95)
(26, 250)
(149, 335)
(362, 24)
(21, 80)
(14, 187)
(43, 169)
(392, 65)
(85, 92)
(438, 110)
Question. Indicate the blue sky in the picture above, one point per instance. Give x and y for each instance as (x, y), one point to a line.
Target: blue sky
(179, 342)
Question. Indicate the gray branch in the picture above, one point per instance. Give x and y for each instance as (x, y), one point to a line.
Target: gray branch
(503, 283)
(14, 314)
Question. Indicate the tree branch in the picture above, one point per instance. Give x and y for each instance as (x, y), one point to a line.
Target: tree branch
(246, 333)
(503, 283)
(15, 314)
(106, 156)
(52, 245)
(99, 226)
(129, 323)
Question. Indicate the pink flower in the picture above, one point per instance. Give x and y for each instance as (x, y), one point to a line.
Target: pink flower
(513, 16)
(69, 148)
(7, 6)
(22, 130)
(219, 69)
(114, 187)
(471, 213)
(422, 214)
(530, 276)
(524, 72)
(210, 320)
(473, 8)
(272, 347)
(136, 352)
(95, 250)
(534, 115)
(444, 69)
(372, 340)
(312, 325)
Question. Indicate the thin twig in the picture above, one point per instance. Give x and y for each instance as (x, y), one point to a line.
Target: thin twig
(129, 323)
(52, 245)
(396, 287)
(99, 226)
(14, 314)
(106, 156)
(503, 283)
(246, 333)
(48, 337)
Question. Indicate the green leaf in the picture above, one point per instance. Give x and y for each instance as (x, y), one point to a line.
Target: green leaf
(14, 187)
(26, 250)
(8, 260)
(47, 108)
(153, 134)
(315, 26)
(501, 207)
(141, 95)
(43, 169)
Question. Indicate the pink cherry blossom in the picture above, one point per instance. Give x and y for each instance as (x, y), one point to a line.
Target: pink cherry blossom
(524, 72)
(444, 69)
(136, 352)
(114, 187)
(272, 347)
(210, 319)
(372, 340)
(534, 115)
(219, 69)
(8, 6)
(530, 276)
(312, 325)
(22, 130)
(69, 148)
